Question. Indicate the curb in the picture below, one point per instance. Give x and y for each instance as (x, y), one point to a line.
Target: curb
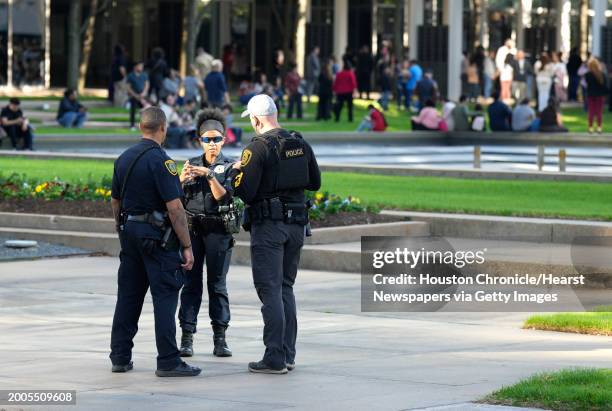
(539, 230)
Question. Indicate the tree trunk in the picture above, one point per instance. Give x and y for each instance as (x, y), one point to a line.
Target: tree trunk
(290, 18)
(192, 20)
(87, 44)
(185, 33)
(584, 27)
(398, 30)
(477, 27)
(74, 44)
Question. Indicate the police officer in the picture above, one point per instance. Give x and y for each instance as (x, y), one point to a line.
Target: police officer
(155, 246)
(274, 170)
(210, 210)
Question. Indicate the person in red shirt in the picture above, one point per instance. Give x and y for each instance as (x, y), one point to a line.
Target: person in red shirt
(294, 91)
(374, 121)
(344, 87)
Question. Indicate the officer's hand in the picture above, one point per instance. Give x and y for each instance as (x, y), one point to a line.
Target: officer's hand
(237, 165)
(199, 171)
(185, 173)
(187, 258)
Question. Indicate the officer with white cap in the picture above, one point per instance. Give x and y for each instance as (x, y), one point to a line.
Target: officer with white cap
(273, 172)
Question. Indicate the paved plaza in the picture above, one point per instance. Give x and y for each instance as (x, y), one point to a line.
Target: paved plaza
(55, 328)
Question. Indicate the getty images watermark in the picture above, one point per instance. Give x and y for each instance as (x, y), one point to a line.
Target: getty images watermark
(436, 274)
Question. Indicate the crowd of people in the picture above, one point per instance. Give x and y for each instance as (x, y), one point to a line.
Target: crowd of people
(154, 82)
(508, 77)
(526, 93)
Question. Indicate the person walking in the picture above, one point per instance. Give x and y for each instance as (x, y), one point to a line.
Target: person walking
(137, 89)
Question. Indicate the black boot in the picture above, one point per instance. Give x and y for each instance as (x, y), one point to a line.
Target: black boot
(187, 344)
(221, 348)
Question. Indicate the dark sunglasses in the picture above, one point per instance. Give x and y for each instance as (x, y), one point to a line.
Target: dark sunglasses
(207, 140)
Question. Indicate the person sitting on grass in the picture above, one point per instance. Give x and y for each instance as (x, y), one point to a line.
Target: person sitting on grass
(447, 112)
(373, 121)
(426, 88)
(138, 89)
(524, 117)
(479, 123)
(428, 119)
(460, 115)
(500, 115)
(71, 113)
(550, 118)
(176, 134)
(16, 125)
(233, 135)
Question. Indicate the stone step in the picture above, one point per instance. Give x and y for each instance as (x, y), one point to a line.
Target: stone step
(312, 257)
(327, 235)
(503, 257)
(536, 230)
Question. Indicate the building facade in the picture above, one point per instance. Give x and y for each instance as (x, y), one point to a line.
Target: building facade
(34, 33)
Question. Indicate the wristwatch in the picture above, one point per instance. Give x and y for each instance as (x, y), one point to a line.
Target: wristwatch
(210, 175)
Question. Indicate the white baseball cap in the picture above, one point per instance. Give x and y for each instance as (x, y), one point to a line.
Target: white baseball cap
(260, 105)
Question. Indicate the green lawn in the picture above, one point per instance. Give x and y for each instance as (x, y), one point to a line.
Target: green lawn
(51, 98)
(598, 322)
(399, 120)
(497, 197)
(566, 390)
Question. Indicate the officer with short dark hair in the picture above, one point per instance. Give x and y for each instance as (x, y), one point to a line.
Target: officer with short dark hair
(155, 246)
(213, 218)
(274, 170)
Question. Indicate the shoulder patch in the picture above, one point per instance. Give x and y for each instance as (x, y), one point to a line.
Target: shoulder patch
(171, 167)
(246, 157)
(238, 180)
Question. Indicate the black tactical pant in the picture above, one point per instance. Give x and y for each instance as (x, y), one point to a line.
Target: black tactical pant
(275, 254)
(216, 250)
(141, 268)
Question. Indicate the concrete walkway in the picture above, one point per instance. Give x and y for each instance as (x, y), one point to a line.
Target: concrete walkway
(55, 318)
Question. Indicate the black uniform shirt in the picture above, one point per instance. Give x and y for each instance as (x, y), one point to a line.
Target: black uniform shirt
(198, 195)
(257, 181)
(10, 114)
(153, 182)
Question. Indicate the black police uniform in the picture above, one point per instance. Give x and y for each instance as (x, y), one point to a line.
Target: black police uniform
(144, 263)
(276, 168)
(211, 242)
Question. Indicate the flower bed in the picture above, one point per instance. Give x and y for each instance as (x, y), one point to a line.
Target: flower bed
(17, 186)
(91, 199)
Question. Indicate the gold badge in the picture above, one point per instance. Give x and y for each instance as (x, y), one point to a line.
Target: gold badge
(171, 166)
(246, 157)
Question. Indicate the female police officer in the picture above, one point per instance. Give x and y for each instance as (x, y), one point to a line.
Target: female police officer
(209, 206)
